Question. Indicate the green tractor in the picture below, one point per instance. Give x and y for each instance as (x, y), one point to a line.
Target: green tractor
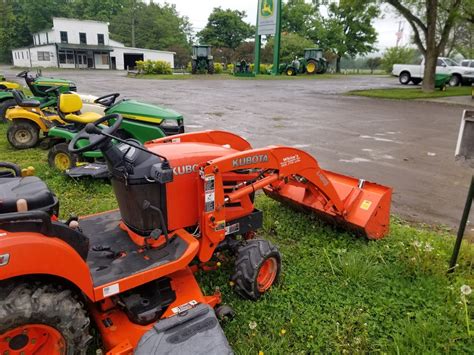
(202, 61)
(38, 86)
(313, 62)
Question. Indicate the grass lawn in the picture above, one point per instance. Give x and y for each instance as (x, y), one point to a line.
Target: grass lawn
(337, 293)
(412, 93)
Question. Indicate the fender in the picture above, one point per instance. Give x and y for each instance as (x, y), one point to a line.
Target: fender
(9, 85)
(68, 136)
(5, 95)
(20, 113)
(44, 255)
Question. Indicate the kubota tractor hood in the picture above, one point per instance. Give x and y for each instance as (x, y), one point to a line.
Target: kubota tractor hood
(139, 110)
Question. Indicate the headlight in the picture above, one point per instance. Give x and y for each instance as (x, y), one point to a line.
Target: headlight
(169, 123)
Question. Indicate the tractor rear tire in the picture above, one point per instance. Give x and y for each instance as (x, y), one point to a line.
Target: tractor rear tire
(210, 67)
(312, 67)
(60, 158)
(193, 67)
(4, 106)
(23, 134)
(42, 318)
(257, 268)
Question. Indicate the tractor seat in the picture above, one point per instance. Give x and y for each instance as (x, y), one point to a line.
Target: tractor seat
(70, 104)
(31, 188)
(22, 101)
(83, 118)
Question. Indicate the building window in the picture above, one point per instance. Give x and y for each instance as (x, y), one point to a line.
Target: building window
(27, 55)
(63, 36)
(43, 56)
(82, 38)
(66, 57)
(100, 38)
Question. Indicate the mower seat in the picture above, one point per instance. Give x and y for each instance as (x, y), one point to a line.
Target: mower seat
(31, 188)
(22, 101)
(83, 118)
(70, 104)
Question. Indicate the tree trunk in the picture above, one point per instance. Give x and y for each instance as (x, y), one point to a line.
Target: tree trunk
(432, 52)
(338, 64)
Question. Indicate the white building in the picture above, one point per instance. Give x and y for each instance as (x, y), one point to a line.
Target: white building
(75, 43)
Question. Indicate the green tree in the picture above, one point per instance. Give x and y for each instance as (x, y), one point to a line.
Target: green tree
(298, 16)
(226, 28)
(292, 45)
(398, 55)
(348, 29)
(373, 63)
(430, 34)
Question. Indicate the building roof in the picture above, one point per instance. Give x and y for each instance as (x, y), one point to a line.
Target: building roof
(85, 47)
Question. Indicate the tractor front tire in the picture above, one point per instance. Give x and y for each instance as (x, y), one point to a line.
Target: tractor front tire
(23, 134)
(60, 158)
(290, 71)
(4, 106)
(42, 318)
(257, 268)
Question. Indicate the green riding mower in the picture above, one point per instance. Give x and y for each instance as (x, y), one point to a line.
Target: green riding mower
(38, 86)
(8, 85)
(202, 61)
(313, 62)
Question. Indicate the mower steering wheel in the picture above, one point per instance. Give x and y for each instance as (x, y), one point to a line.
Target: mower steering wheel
(22, 74)
(91, 132)
(107, 100)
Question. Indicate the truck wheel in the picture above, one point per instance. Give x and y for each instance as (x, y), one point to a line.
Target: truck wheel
(311, 67)
(60, 158)
(41, 318)
(257, 268)
(4, 106)
(23, 134)
(404, 78)
(455, 80)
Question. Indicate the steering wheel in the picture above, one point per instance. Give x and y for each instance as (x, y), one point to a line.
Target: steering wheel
(53, 89)
(92, 132)
(22, 74)
(107, 100)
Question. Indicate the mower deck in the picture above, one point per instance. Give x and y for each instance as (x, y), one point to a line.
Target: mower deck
(109, 242)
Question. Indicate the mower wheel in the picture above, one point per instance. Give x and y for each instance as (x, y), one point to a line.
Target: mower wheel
(40, 318)
(23, 134)
(224, 312)
(290, 71)
(4, 106)
(60, 158)
(257, 268)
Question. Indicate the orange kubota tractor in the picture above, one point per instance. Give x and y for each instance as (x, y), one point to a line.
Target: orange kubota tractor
(130, 272)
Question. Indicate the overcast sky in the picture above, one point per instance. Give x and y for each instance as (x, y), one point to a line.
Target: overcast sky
(198, 12)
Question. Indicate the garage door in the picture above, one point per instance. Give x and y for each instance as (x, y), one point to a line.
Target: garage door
(129, 60)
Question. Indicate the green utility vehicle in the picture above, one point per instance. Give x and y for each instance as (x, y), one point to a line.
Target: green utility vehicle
(202, 60)
(38, 86)
(313, 62)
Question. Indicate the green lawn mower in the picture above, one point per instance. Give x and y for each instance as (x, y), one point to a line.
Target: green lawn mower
(313, 62)
(38, 86)
(142, 122)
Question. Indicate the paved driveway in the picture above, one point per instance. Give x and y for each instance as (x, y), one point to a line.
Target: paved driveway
(407, 145)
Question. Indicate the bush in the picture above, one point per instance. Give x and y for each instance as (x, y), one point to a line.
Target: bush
(398, 55)
(230, 68)
(218, 68)
(154, 67)
(263, 68)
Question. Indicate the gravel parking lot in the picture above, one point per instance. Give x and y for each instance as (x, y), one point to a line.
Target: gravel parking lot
(404, 144)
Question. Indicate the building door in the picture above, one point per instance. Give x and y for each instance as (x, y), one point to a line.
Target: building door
(113, 63)
(81, 60)
(129, 60)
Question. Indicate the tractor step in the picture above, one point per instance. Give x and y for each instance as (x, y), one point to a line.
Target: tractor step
(193, 331)
(94, 170)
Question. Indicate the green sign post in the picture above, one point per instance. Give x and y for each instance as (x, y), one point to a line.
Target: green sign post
(268, 23)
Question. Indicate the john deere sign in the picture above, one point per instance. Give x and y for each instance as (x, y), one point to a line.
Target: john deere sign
(267, 17)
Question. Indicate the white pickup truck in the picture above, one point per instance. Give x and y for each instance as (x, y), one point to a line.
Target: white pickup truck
(414, 73)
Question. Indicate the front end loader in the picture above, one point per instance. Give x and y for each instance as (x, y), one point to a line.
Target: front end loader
(130, 272)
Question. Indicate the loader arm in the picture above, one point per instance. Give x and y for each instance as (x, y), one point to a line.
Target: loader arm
(281, 167)
(213, 137)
